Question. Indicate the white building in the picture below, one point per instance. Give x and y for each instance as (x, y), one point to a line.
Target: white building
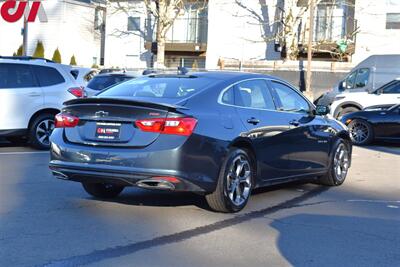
(70, 27)
(115, 37)
(226, 30)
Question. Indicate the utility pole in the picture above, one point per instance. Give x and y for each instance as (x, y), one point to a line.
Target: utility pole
(25, 37)
(308, 92)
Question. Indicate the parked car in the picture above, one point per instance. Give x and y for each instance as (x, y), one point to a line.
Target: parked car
(31, 93)
(351, 102)
(103, 81)
(219, 134)
(370, 74)
(83, 75)
(378, 122)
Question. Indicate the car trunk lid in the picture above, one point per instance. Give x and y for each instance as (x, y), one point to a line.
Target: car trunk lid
(111, 121)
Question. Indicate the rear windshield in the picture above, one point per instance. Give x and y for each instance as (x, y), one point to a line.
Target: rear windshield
(102, 82)
(160, 87)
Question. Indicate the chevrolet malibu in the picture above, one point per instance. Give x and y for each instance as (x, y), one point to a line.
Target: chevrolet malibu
(218, 134)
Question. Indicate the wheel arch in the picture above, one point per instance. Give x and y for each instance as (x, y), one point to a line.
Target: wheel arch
(53, 111)
(246, 144)
(346, 105)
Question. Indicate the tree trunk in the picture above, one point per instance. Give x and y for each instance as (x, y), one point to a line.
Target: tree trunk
(160, 51)
(291, 46)
(161, 32)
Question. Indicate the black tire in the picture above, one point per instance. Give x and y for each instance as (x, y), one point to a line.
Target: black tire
(36, 140)
(347, 110)
(331, 178)
(102, 190)
(359, 128)
(220, 199)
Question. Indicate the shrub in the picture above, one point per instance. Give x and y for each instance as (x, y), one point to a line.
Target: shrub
(73, 61)
(20, 51)
(39, 51)
(57, 56)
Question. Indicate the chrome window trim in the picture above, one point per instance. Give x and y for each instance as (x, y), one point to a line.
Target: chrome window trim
(219, 101)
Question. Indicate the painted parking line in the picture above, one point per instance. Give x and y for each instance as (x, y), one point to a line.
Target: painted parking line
(24, 152)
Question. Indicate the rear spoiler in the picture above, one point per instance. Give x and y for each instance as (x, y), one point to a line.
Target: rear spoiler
(123, 101)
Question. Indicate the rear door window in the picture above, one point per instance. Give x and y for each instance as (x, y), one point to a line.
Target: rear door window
(289, 99)
(228, 97)
(253, 94)
(16, 76)
(48, 76)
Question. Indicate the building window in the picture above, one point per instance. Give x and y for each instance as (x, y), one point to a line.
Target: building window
(392, 21)
(133, 24)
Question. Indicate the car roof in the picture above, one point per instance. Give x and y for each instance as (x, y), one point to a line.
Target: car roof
(120, 74)
(32, 61)
(218, 75)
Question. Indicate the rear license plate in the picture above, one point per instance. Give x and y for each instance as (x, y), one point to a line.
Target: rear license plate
(108, 131)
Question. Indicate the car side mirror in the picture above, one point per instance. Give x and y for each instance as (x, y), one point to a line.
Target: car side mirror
(342, 86)
(322, 110)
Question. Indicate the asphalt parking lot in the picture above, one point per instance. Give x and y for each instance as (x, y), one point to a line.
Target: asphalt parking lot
(48, 222)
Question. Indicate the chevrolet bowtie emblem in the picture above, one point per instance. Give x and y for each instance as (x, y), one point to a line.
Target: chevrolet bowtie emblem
(101, 113)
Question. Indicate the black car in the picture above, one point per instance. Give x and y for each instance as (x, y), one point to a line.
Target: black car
(219, 134)
(377, 122)
(103, 81)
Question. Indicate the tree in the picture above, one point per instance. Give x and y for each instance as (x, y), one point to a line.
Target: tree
(286, 27)
(73, 61)
(39, 51)
(164, 13)
(57, 56)
(20, 51)
(289, 25)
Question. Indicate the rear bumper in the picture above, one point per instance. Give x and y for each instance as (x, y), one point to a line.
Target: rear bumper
(195, 162)
(121, 176)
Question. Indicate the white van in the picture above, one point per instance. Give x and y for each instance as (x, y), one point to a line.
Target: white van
(369, 75)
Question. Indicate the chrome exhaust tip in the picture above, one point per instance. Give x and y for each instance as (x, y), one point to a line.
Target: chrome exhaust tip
(155, 184)
(60, 175)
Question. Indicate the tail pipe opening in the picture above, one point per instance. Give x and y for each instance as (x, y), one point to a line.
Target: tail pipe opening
(163, 183)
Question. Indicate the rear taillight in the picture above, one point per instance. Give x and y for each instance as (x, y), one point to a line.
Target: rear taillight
(76, 91)
(66, 121)
(177, 126)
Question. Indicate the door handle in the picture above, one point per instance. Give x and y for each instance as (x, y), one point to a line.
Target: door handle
(33, 94)
(294, 123)
(253, 121)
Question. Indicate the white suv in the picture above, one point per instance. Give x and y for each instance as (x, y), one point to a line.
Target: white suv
(346, 103)
(32, 91)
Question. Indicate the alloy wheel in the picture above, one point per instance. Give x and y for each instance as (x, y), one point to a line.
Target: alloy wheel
(239, 180)
(359, 132)
(341, 162)
(44, 130)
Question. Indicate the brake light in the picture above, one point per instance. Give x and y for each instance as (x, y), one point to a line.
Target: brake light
(177, 126)
(76, 91)
(66, 121)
